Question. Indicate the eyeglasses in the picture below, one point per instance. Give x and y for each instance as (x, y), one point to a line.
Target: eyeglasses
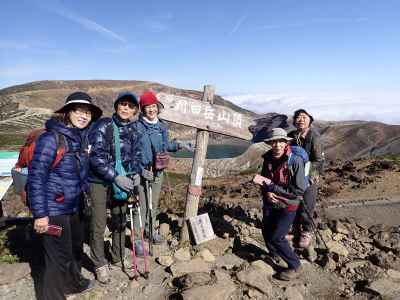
(129, 104)
(83, 112)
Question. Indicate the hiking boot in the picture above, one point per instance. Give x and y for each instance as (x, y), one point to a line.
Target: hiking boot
(103, 274)
(311, 254)
(119, 266)
(305, 239)
(290, 274)
(85, 285)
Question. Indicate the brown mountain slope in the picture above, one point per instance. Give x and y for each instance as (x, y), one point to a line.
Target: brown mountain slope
(362, 139)
(25, 106)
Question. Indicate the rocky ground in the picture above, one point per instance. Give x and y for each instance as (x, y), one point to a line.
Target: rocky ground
(357, 244)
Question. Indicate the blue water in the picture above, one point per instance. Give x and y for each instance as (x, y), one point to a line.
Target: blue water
(217, 151)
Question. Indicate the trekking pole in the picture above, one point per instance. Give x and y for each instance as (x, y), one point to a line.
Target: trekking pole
(146, 257)
(150, 210)
(314, 226)
(134, 264)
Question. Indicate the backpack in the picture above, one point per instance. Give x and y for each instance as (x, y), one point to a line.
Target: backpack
(299, 151)
(20, 171)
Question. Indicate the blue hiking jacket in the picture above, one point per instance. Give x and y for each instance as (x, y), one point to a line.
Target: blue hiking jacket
(102, 153)
(57, 191)
(154, 140)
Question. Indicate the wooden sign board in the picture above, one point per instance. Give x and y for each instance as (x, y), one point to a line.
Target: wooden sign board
(201, 228)
(203, 115)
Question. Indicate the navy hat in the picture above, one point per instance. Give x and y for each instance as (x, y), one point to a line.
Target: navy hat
(80, 98)
(126, 96)
(300, 111)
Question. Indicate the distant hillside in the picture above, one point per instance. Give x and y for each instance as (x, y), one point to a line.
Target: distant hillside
(23, 107)
(27, 106)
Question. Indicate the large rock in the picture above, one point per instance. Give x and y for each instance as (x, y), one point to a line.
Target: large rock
(257, 278)
(292, 293)
(193, 266)
(206, 255)
(10, 273)
(165, 260)
(217, 246)
(393, 274)
(182, 254)
(222, 290)
(337, 248)
(264, 268)
(228, 261)
(386, 288)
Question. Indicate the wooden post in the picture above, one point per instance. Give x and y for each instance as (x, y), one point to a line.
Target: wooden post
(194, 189)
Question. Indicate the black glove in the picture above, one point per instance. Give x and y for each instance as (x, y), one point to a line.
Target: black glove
(124, 183)
(148, 175)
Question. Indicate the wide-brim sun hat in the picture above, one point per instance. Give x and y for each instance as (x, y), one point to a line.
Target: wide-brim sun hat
(277, 134)
(149, 98)
(80, 98)
(126, 96)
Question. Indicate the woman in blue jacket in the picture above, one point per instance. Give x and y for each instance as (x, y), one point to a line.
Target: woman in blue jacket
(55, 195)
(154, 141)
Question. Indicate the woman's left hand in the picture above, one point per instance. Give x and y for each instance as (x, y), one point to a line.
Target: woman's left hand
(40, 225)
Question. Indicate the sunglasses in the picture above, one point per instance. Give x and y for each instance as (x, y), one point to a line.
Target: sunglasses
(129, 104)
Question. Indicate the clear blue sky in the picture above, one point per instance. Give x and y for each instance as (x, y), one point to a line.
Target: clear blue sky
(344, 46)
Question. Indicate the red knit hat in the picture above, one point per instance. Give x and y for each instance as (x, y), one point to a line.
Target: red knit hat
(148, 98)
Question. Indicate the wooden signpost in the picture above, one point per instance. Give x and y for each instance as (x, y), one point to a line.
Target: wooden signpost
(206, 117)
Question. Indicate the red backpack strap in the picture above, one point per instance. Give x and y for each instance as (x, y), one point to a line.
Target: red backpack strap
(60, 149)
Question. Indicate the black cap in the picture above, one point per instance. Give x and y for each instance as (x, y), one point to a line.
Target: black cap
(126, 96)
(302, 110)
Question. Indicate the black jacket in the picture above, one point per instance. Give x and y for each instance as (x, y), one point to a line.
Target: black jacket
(313, 146)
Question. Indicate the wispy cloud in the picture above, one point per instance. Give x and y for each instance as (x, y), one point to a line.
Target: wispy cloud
(315, 21)
(58, 8)
(238, 24)
(14, 45)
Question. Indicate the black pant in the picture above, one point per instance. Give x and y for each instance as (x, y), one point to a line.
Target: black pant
(276, 224)
(306, 210)
(62, 256)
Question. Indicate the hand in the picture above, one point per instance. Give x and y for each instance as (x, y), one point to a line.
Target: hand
(124, 183)
(41, 224)
(136, 180)
(188, 146)
(271, 198)
(148, 175)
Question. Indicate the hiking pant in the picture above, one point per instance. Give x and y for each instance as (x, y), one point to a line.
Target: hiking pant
(98, 222)
(118, 225)
(305, 214)
(156, 190)
(276, 224)
(62, 257)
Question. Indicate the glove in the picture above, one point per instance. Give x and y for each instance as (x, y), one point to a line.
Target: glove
(136, 180)
(148, 175)
(268, 188)
(124, 183)
(188, 146)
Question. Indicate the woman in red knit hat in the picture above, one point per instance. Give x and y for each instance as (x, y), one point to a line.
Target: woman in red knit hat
(156, 144)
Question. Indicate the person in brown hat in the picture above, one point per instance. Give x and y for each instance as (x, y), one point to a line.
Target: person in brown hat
(308, 138)
(282, 193)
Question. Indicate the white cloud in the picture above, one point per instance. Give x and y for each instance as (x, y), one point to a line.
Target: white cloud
(383, 107)
(56, 7)
(238, 24)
